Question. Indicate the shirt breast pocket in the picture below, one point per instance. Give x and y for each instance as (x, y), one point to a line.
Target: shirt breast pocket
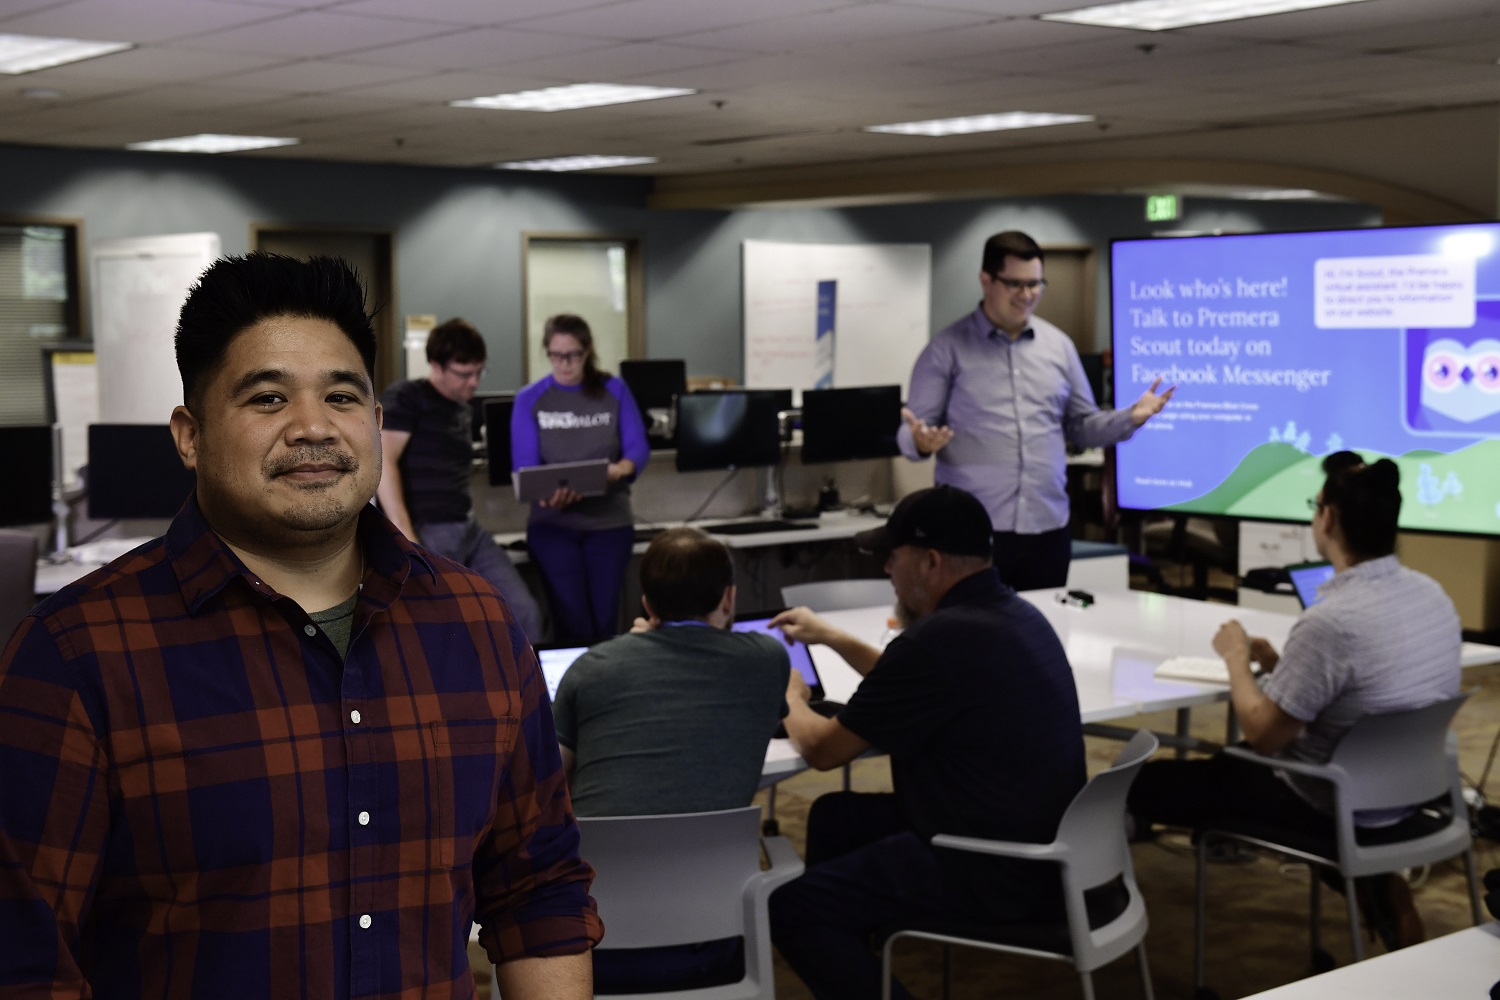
(468, 756)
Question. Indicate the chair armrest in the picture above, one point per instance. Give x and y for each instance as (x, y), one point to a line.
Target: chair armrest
(785, 864)
(1328, 772)
(1001, 848)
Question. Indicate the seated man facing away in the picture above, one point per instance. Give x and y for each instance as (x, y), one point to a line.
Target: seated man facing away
(1383, 638)
(672, 718)
(975, 703)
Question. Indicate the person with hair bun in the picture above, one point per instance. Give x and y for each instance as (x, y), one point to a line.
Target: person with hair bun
(581, 545)
(1382, 638)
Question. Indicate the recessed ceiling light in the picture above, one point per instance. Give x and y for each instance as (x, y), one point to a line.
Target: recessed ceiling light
(29, 53)
(1163, 15)
(562, 163)
(209, 142)
(979, 123)
(577, 95)
(1282, 194)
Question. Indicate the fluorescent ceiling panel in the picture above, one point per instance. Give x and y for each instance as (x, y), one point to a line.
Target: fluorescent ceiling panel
(571, 97)
(208, 142)
(1164, 15)
(29, 53)
(979, 123)
(563, 163)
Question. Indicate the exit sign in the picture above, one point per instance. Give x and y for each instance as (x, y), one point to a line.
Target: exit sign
(1163, 207)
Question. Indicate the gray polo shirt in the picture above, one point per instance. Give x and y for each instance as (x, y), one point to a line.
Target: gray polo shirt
(1383, 638)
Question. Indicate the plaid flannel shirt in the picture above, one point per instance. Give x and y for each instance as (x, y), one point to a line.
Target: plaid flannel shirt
(200, 798)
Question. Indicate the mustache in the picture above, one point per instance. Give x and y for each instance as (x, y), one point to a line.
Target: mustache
(340, 460)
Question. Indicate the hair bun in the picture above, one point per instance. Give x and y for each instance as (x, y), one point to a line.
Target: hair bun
(1385, 475)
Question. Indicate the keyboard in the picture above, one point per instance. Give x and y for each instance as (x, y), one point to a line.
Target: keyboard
(1201, 669)
(759, 527)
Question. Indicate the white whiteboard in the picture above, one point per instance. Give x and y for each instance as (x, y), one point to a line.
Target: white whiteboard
(882, 295)
(139, 287)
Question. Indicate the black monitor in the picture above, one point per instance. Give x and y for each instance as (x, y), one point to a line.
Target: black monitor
(28, 462)
(843, 425)
(476, 411)
(497, 411)
(730, 429)
(655, 383)
(1098, 376)
(134, 471)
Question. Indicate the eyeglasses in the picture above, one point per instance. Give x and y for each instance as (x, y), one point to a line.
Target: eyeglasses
(1019, 284)
(566, 357)
(466, 374)
(1315, 505)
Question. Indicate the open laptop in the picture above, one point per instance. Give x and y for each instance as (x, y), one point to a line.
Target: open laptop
(555, 661)
(538, 482)
(1307, 578)
(800, 655)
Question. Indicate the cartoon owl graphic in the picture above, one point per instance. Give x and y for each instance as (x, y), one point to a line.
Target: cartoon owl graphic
(1461, 382)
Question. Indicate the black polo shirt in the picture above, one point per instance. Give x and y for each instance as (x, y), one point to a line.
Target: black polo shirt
(976, 705)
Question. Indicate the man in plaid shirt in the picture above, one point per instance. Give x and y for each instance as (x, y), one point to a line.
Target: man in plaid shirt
(281, 751)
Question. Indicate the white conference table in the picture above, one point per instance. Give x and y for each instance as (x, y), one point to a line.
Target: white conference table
(1462, 964)
(1113, 646)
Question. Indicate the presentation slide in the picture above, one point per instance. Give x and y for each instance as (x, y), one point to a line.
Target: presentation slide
(1286, 347)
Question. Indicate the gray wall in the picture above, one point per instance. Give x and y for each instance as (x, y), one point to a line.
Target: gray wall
(458, 232)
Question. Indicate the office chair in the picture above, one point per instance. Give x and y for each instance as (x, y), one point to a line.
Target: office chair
(1106, 916)
(18, 551)
(840, 595)
(681, 879)
(1384, 761)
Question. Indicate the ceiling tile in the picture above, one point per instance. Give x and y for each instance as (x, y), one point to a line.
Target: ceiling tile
(638, 20)
(317, 33)
(311, 76)
(478, 48)
(155, 65)
(110, 20)
(835, 27)
(474, 13)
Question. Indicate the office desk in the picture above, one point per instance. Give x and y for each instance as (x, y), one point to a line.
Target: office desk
(1462, 964)
(1113, 647)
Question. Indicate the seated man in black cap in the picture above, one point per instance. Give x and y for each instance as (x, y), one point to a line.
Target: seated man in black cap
(976, 706)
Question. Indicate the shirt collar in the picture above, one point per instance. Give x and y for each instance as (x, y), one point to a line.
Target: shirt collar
(1370, 569)
(985, 583)
(204, 564)
(990, 330)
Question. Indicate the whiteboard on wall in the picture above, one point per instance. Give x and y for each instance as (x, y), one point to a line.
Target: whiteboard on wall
(139, 285)
(879, 296)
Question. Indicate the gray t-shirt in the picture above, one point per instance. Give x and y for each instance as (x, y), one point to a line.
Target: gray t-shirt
(1383, 638)
(671, 721)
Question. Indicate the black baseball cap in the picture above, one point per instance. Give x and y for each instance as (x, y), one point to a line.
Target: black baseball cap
(944, 518)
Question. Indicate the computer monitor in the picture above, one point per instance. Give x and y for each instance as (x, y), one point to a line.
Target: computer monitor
(655, 383)
(28, 463)
(844, 425)
(476, 411)
(1307, 578)
(134, 471)
(497, 411)
(730, 429)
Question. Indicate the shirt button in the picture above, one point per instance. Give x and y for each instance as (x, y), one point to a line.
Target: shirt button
(364, 921)
(354, 717)
(364, 819)
(310, 629)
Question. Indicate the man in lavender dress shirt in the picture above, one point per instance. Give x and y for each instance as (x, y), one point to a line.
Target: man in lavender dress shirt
(996, 397)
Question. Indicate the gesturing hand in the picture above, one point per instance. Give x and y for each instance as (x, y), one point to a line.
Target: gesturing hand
(927, 438)
(1150, 404)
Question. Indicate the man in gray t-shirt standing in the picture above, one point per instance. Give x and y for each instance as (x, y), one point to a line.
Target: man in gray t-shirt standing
(675, 716)
(428, 459)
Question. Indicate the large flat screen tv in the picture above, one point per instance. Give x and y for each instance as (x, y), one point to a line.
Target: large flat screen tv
(1288, 346)
(730, 429)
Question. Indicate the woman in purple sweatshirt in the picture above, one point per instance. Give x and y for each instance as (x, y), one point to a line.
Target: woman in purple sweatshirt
(581, 544)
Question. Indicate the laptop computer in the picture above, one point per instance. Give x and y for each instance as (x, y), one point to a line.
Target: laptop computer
(538, 482)
(555, 661)
(800, 655)
(1307, 578)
